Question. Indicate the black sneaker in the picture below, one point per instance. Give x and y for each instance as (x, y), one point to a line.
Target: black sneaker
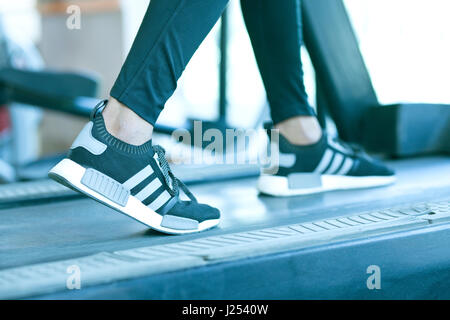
(324, 166)
(134, 180)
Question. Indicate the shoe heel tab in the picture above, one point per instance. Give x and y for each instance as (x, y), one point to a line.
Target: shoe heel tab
(268, 125)
(98, 108)
(86, 140)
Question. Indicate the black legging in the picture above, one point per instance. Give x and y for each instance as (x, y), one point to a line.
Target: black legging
(171, 32)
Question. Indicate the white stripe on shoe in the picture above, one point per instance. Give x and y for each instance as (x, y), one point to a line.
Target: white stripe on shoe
(149, 189)
(138, 177)
(159, 201)
(286, 160)
(337, 161)
(346, 167)
(325, 161)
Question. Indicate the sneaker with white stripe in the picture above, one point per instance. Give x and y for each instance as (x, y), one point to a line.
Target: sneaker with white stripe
(134, 180)
(324, 166)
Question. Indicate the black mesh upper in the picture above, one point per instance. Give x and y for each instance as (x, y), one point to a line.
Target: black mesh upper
(309, 157)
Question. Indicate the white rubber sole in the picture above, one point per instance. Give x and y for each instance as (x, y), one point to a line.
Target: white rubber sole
(70, 173)
(279, 186)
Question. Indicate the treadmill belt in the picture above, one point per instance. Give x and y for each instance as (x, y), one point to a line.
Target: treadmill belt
(81, 228)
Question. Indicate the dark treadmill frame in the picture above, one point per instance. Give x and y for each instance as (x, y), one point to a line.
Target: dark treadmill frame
(346, 93)
(421, 271)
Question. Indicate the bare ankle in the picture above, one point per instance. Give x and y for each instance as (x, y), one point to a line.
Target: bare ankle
(124, 124)
(301, 130)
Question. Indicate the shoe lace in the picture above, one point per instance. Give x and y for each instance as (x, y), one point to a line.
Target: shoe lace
(174, 184)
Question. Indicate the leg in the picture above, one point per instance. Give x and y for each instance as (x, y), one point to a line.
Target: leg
(309, 162)
(275, 31)
(113, 160)
(170, 33)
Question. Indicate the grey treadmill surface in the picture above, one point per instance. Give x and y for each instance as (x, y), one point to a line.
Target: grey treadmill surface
(62, 230)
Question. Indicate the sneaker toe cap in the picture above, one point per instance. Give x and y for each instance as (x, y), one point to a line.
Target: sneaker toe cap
(196, 211)
(374, 168)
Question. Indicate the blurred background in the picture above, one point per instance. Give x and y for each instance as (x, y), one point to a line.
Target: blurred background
(405, 44)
